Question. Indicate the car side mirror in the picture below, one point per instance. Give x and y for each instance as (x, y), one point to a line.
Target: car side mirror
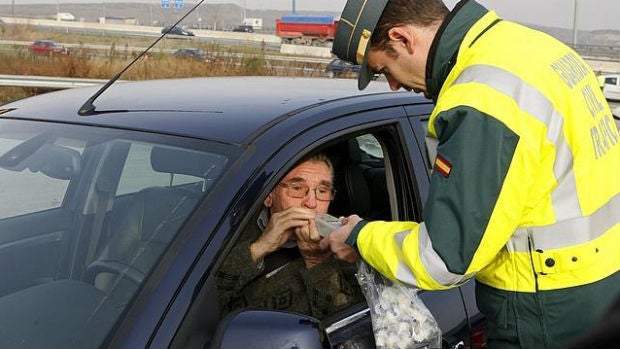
(269, 329)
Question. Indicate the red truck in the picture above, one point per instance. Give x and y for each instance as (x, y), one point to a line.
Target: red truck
(306, 30)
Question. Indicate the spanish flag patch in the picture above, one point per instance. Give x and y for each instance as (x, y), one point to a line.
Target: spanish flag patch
(442, 166)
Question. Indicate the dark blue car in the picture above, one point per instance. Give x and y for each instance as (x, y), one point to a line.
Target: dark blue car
(177, 30)
(192, 54)
(114, 221)
(340, 68)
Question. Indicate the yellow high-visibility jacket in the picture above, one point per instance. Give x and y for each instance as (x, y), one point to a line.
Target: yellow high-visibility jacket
(525, 191)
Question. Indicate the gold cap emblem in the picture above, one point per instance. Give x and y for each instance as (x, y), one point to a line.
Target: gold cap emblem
(361, 46)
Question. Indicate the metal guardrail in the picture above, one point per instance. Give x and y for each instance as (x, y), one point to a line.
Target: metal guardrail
(47, 81)
(318, 57)
(611, 53)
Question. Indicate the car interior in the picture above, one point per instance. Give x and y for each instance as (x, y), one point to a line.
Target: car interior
(359, 180)
(147, 225)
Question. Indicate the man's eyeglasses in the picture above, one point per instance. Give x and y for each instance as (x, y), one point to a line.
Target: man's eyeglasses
(300, 190)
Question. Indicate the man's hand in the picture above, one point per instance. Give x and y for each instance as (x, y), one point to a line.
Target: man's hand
(308, 243)
(335, 241)
(279, 229)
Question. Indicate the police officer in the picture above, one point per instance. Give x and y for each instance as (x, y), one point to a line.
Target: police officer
(524, 194)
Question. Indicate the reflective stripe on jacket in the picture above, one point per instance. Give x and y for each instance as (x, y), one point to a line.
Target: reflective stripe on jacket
(524, 194)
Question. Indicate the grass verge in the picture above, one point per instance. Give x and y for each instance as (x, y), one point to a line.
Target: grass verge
(103, 64)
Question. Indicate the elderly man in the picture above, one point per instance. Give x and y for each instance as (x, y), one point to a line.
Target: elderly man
(278, 263)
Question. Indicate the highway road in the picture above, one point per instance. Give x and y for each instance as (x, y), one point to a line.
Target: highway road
(269, 42)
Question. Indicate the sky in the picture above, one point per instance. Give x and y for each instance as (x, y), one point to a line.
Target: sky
(591, 14)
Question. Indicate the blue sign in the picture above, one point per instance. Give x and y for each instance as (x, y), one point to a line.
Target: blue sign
(165, 3)
(178, 4)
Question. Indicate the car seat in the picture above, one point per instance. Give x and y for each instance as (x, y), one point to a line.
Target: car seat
(152, 219)
(352, 193)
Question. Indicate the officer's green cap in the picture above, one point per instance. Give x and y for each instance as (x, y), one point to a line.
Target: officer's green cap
(352, 39)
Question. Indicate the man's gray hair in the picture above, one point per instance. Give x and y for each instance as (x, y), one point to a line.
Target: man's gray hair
(318, 157)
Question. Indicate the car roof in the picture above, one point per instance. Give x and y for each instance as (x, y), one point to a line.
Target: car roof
(227, 109)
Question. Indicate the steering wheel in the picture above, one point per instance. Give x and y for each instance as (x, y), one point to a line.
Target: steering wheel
(113, 267)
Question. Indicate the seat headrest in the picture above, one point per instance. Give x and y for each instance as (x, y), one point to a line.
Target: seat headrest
(187, 162)
(349, 150)
(353, 150)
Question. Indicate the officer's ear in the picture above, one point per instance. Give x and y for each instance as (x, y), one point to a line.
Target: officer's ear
(403, 35)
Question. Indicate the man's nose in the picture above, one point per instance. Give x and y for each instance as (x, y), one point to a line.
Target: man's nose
(310, 199)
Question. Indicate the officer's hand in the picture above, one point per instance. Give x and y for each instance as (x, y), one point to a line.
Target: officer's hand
(335, 241)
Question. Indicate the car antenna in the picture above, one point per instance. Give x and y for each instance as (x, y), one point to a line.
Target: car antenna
(88, 108)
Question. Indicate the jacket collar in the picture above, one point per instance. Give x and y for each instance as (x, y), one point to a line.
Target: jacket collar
(445, 47)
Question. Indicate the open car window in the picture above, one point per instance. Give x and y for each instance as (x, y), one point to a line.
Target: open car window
(359, 170)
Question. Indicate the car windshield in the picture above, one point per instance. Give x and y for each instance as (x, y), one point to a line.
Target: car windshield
(85, 215)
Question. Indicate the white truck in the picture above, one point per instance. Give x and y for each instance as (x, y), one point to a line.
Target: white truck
(611, 86)
(65, 16)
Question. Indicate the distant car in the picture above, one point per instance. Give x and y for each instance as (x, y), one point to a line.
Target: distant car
(192, 53)
(244, 28)
(47, 46)
(176, 30)
(339, 68)
(611, 86)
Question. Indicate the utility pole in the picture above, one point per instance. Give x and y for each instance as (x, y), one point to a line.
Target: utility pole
(242, 5)
(575, 23)
(12, 8)
(293, 6)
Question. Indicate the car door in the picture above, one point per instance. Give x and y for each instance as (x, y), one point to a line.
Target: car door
(273, 154)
